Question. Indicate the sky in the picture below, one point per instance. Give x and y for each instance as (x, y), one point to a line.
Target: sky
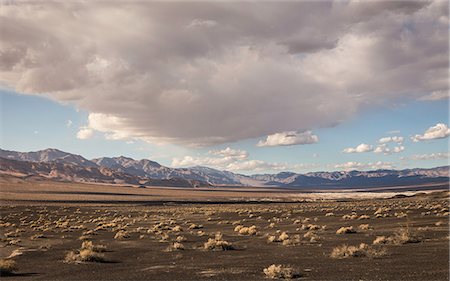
(246, 87)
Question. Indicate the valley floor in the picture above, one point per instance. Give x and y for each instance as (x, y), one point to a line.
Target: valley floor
(69, 231)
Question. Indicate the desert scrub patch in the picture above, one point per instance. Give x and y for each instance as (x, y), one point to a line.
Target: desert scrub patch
(122, 234)
(7, 267)
(90, 246)
(243, 230)
(84, 255)
(195, 226)
(38, 236)
(346, 230)
(363, 250)
(176, 246)
(278, 271)
(180, 239)
(403, 236)
(218, 243)
(365, 226)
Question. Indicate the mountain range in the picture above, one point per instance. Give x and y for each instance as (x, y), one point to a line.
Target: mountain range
(59, 165)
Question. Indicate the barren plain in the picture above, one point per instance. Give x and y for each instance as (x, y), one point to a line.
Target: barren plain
(65, 231)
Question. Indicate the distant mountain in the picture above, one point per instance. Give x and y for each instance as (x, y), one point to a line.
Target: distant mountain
(53, 163)
(47, 155)
(56, 170)
(147, 168)
(357, 178)
(65, 172)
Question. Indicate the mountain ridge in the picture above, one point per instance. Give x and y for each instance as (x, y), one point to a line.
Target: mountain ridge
(129, 170)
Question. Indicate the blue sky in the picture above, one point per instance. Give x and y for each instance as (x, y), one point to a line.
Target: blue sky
(31, 123)
(248, 87)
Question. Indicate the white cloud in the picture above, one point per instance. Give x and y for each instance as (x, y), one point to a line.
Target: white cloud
(255, 166)
(438, 131)
(201, 23)
(383, 148)
(85, 133)
(396, 139)
(247, 70)
(229, 152)
(359, 149)
(432, 156)
(363, 166)
(69, 123)
(289, 138)
(436, 95)
(230, 160)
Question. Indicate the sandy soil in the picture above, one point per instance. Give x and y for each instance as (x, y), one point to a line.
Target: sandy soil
(38, 229)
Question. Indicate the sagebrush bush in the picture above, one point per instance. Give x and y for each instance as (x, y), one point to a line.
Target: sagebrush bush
(122, 234)
(345, 229)
(363, 250)
(281, 272)
(218, 243)
(7, 267)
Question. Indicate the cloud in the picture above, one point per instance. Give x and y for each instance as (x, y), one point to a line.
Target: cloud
(383, 148)
(201, 23)
(210, 73)
(228, 159)
(69, 123)
(432, 156)
(359, 149)
(230, 152)
(436, 95)
(289, 138)
(439, 131)
(363, 166)
(391, 139)
(255, 166)
(85, 133)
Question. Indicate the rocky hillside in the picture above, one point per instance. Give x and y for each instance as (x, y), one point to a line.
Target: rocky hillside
(66, 166)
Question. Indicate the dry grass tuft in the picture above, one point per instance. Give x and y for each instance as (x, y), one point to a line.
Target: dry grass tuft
(218, 243)
(363, 250)
(88, 245)
(121, 234)
(281, 272)
(84, 255)
(7, 267)
(243, 230)
(88, 253)
(176, 246)
(346, 230)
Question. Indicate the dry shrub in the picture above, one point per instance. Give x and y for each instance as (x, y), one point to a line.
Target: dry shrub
(121, 234)
(363, 250)
(88, 253)
(281, 272)
(96, 248)
(7, 267)
(176, 246)
(283, 236)
(404, 235)
(180, 239)
(37, 236)
(346, 230)
(218, 243)
(84, 255)
(243, 230)
(364, 226)
(195, 226)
